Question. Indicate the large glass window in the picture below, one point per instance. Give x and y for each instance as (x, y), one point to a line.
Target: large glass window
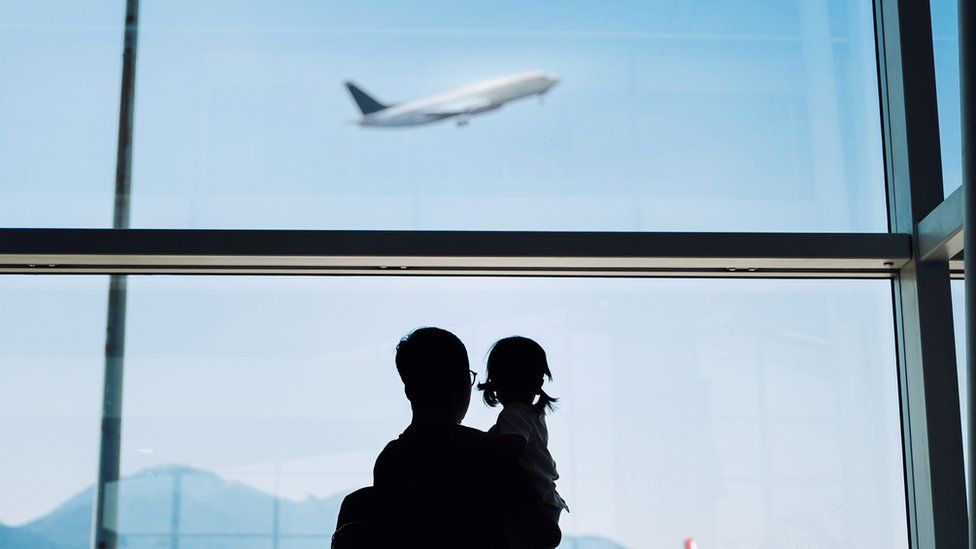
(60, 62)
(52, 332)
(667, 116)
(743, 413)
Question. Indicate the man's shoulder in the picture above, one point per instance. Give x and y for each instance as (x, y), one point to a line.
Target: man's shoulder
(475, 443)
(484, 445)
(384, 459)
(391, 448)
(392, 460)
(472, 435)
(460, 438)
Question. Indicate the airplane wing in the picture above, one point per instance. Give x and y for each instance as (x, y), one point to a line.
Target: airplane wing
(466, 106)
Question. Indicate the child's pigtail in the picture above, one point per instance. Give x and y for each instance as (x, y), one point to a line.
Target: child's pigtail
(546, 402)
(490, 393)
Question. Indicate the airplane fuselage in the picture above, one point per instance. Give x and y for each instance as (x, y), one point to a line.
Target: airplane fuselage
(464, 102)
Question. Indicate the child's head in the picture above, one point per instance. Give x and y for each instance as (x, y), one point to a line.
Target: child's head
(517, 367)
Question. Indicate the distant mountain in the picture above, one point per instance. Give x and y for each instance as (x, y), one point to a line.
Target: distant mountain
(211, 512)
(68, 526)
(14, 538)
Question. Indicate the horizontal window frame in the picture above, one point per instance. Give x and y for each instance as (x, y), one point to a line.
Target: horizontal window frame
(296, 252)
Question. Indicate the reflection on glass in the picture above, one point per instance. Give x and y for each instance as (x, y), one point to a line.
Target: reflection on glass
(668, 115)
(945, 41)
(59, 103)
(740, 413)
(52, 332)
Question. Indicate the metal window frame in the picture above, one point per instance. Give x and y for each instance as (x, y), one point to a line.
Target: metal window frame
(926, 233)
(166, 251)
(931, 428)
(940, 233)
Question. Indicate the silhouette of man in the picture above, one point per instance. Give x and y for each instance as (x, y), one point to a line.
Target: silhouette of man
(446, 484)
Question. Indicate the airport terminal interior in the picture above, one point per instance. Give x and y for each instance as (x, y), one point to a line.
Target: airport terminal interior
(734, 226)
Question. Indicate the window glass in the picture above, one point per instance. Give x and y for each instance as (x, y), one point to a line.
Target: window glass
(959, 329)
(749, 116)
(945, 41)
(741, 413)
(52, 335)
(59, 102)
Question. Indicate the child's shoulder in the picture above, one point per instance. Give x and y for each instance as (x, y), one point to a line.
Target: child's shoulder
(520, 414)
(521, 409)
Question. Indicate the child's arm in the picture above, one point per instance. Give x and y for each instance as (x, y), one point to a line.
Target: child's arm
(512, 424)
(512, 444)
(512, 433)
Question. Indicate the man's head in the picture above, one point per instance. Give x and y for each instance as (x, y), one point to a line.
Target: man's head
(433, 365)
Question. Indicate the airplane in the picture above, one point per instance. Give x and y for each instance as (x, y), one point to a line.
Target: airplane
(460, 104)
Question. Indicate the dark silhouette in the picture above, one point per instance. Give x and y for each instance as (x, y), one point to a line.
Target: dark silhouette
(440, 484)
(517, 368)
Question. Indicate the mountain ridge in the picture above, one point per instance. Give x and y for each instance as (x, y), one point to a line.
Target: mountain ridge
(226, 514)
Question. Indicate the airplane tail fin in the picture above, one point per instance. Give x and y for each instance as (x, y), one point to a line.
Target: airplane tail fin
(367, 104)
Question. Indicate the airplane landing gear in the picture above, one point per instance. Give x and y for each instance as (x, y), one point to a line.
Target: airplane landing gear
(462, 121)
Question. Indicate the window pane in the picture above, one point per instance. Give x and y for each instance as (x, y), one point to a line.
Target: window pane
(945, 40)
(959, 329)
(743, 413)
(61, 61)
(52, 332)
(667, 116)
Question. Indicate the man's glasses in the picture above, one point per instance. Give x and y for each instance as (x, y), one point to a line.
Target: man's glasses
(474, 376)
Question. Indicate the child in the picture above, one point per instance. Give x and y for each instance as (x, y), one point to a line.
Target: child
(516, 368)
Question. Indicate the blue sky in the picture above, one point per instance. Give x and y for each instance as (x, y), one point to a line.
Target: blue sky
(945, 41)
(709, 115)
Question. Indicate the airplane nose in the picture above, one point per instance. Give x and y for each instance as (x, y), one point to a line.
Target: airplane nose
(552, 80)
